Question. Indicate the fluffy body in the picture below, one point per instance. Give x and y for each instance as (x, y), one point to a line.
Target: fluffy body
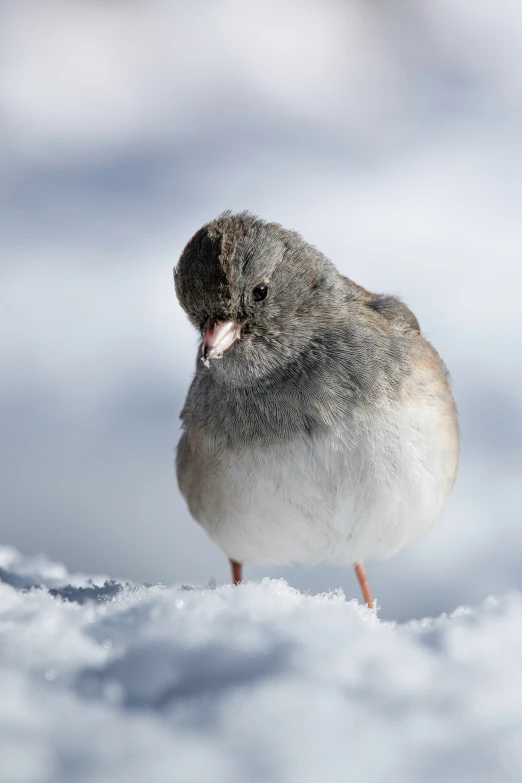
(328, 432)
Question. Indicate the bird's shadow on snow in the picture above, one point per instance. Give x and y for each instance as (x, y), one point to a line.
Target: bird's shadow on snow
(158, 674)
(161, 674)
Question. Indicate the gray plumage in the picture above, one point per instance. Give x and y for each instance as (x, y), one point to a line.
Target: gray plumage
(327, 430)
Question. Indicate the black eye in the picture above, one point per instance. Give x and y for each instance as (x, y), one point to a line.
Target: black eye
(259, 293)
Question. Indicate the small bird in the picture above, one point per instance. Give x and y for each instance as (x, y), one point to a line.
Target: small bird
(320, 424)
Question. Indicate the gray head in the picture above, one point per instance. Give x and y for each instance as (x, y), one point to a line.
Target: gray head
(256, 291)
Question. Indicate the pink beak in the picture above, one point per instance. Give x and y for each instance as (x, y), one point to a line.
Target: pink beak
(218, 336)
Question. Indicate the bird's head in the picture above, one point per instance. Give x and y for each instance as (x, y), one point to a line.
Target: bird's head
(256, 292)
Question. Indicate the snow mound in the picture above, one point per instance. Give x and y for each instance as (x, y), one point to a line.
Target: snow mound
(111, 682)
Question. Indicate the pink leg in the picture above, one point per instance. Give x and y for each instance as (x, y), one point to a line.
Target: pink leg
(365, 585)
(237, 572)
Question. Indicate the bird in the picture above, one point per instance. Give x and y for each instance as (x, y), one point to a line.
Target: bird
(320, 425)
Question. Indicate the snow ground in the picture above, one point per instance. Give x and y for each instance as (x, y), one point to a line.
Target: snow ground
(107, 682)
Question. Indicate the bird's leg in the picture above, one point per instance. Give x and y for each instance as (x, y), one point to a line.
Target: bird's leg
(237, 570)
(364, 583)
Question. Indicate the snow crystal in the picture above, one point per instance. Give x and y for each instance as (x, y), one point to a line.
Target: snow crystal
(124, 683)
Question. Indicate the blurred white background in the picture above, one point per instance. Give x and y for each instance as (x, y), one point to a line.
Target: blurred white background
(388, 134)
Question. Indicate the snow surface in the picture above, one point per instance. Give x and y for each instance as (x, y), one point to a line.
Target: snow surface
(108, 682)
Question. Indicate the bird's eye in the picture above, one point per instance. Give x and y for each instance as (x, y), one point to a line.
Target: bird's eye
(259, 293)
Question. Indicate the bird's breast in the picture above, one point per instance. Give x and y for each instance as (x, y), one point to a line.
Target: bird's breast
(363, 488)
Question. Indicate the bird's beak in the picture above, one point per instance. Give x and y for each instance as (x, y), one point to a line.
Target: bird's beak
(218, 336)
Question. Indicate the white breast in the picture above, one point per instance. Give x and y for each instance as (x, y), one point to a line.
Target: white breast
(364, 491)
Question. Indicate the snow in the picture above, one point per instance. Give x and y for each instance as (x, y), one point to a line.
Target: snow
(108, 682)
